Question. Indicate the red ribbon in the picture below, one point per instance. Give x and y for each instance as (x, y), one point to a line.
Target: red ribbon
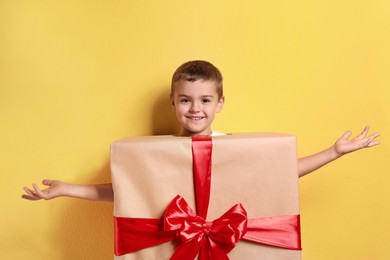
(202, 148)
(216, 238)
(212, 240)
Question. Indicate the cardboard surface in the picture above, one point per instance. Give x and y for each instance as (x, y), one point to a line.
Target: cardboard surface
(258, 170)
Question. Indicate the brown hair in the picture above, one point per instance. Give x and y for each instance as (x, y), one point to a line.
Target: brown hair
(198, 70)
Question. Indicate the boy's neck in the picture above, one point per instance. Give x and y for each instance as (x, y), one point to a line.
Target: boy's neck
(189, 134)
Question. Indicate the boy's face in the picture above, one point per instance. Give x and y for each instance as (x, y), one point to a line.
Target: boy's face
(195, 104)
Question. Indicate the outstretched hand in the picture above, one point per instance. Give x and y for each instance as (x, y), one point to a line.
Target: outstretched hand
(344, 145)
(54, 190)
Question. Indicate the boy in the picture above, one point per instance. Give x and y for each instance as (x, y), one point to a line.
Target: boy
(196, 95)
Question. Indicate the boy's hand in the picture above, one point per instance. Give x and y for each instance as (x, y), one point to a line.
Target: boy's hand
(344, 145)
(54, 190)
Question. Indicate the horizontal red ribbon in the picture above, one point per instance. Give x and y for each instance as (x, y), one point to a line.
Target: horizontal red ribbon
(192, 231)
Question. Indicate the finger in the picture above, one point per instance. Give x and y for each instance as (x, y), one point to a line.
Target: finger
(47, 182)
(370, 139)
(346, 135)
(30, 195)
(28, 191)
(374, 135)
(38, 192)
(27, 197)
(373, 143)
(364, 132)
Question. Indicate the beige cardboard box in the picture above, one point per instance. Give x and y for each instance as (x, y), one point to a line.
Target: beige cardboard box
(258, 170)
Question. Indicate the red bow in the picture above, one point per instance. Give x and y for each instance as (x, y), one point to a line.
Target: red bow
(212, 240)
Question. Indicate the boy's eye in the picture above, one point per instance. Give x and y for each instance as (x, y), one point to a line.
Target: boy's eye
(184, 100)
(206, 100)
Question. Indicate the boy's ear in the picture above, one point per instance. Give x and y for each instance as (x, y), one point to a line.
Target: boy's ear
(172, 101)
(221, 102)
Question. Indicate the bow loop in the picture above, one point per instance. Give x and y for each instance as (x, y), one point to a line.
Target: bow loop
(194, 232)
(227, 230)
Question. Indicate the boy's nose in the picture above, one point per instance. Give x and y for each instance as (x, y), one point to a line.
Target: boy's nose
(194, 107)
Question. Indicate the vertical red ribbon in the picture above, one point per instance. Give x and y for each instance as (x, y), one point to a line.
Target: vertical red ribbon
(201, 153)
(202, 147)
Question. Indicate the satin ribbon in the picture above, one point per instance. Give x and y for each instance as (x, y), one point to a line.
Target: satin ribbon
(213, 240)
(216, 238)
(202, 148)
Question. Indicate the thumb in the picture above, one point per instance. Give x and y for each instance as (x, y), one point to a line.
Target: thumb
(346, 135)
(47, 182)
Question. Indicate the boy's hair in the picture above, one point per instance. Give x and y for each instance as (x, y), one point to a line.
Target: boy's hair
(198, 70)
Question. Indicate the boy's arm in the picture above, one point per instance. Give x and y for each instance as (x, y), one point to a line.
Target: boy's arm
(98, 192)
(342, 146)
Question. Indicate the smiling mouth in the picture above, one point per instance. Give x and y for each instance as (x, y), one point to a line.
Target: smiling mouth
(195, 118)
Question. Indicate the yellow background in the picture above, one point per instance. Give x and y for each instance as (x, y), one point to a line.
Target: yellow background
(77, 75)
